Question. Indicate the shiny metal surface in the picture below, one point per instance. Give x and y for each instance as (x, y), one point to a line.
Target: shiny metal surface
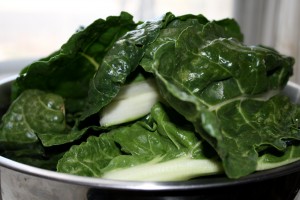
(22, 182)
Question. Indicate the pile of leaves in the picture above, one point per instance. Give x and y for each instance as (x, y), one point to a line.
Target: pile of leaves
(219, 106)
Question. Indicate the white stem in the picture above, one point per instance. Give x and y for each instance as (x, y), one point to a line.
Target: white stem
(133, 101)
(181, 168)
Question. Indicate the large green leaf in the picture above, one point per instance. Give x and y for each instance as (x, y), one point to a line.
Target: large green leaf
(90, 157)
(155, 149)
(30, 114)
(67, 72)
(121, 60)
(273, 159)
(211, 78)
(36, 116)
(61, 78)
(34, 129)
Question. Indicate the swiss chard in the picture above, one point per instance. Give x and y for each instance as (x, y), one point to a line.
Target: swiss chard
(222, 104)
(121, 60)
(31, 119)
(68, 71)
(220, 85)
(65, 76)
(159, 148)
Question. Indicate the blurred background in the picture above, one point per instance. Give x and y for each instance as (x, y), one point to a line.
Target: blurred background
(31, 29)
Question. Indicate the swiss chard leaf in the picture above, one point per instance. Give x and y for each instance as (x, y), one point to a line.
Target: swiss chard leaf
(252, 124)
(122, 59)
(90, 157)
(63, 76)
(204, 70)
(157, 141)
(273, 159)
(34, 129)
(67, 72)
(36, 116)
(29, 114)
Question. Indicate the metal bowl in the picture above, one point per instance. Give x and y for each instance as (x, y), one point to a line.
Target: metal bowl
(24, 182)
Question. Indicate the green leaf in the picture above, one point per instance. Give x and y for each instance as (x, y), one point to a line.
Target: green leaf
(251, 124)
(212, 79)
(88, 158)
(154, 143)
(67, 72)
(33, 112)
(36, 116)
(52, 138)
(273, 159)
(121, 60)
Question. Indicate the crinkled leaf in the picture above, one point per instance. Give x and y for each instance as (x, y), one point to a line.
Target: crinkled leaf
(68, 71)
(209, 77)
(251, 124)
(119, 62)
(37, 116)
(90, 157)
(145, 143)
(31, 113)
(274, 159)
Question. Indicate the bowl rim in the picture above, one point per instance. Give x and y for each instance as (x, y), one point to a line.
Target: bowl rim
(199, 183)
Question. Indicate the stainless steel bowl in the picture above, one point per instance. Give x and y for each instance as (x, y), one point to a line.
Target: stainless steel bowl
(24, 182)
